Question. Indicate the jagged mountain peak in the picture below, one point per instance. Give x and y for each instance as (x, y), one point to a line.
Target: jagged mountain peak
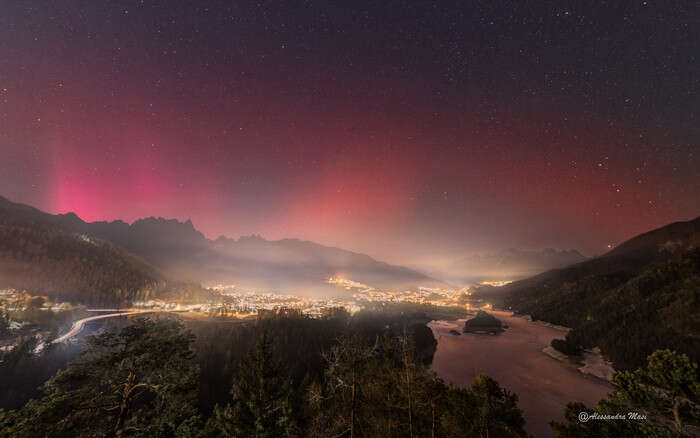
(286, 265)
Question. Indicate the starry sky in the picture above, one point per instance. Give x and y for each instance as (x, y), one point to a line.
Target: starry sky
(411, 131)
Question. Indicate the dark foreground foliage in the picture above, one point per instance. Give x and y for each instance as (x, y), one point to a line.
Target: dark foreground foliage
(22, 371)
(359, 379)
(292, 376)
(369, 387)
(141, 382)
(661, 399)
(299, 342)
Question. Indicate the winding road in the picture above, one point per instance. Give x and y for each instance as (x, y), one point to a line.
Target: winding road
(79, 324)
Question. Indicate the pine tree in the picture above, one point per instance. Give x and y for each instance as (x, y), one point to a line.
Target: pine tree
(664, 395)
(261, 399)
(340, 403)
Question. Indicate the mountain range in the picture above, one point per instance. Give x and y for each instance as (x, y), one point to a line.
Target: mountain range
(175, 250)
(641, 296)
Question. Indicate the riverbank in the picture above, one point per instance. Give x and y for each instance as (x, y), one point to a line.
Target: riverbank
(515, 358)
(592, 361)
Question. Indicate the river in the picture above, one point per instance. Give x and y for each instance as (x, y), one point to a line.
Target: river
(515, 359)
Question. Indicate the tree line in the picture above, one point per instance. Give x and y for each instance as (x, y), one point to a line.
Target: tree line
(47, 260)
(44, 259)
(628, 313)
(369, 379)
(346, 377)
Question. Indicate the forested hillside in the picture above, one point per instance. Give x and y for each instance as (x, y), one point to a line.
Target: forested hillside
(642, 296)
(41, 256)
(46, 260)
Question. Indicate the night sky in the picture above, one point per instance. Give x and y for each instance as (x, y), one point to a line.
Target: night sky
(412, 131)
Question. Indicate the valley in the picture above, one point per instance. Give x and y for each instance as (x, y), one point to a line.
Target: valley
(61, 289)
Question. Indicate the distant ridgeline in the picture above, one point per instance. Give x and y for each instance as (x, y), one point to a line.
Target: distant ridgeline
(637, 298)
(100, 262)
(179, 251)
(251, 262)
(41, 255)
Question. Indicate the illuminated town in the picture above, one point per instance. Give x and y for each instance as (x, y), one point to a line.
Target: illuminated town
(240, 303)
(20, 308)
(496, 283)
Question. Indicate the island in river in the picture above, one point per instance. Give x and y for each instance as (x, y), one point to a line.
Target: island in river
(483, 322)
(516, 359)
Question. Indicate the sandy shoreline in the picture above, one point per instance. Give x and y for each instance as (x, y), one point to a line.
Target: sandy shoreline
(594, 362)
